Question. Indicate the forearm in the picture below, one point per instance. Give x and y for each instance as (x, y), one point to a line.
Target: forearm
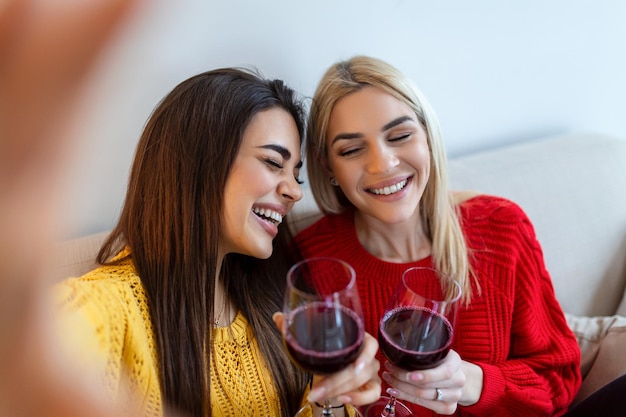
(522, 390)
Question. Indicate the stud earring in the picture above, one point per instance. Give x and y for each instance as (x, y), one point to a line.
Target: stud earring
(333, 181)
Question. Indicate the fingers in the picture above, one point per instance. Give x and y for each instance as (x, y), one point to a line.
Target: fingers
(447, 374)
(357, 384)
(441, 400)
(439, 389)
(46, 49)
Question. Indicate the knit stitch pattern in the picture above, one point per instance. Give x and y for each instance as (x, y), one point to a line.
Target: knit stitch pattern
(514, 328)
(107, 319)
(239, 377)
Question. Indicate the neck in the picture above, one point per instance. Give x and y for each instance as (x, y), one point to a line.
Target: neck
(223, 309)
(397, 243)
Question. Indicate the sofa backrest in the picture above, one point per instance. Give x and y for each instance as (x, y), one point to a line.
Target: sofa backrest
(572, 187)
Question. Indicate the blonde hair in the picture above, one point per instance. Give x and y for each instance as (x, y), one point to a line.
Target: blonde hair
(438, 210)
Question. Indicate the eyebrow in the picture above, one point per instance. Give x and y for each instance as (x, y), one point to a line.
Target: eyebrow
(284, 152)
(396, 122)
(391, 124)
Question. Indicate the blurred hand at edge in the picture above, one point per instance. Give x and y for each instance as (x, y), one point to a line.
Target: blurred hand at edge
(47, 49)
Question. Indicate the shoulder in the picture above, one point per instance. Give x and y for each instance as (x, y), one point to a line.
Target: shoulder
(321, 237)
(104, 295)
(496, 222)
(107, 280)
(104, 317)
(326, 226)
(95, 311)
(110, 300)
(491, 208)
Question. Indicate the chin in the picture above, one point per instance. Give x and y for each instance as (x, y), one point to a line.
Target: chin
(261, 252)
(394, 218)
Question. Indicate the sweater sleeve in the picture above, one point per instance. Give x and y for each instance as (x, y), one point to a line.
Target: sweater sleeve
(105, 314)
(94, 337)
(541, 375)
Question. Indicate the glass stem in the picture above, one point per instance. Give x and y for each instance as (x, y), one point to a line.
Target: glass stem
(390, 408)
(327, 410)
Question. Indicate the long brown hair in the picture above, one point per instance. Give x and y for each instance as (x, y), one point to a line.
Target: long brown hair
(171, 223)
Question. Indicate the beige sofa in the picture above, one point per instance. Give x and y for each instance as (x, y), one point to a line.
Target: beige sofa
(573, 188)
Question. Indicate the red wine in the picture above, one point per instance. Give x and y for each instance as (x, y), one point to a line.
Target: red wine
(414, 338)
(324, 339)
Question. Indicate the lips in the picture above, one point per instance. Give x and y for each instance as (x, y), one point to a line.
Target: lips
(268, 214)
(389, 189)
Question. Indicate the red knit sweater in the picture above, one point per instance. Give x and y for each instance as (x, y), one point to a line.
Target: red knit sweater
(514, 329)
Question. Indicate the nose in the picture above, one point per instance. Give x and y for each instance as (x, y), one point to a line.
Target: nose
(290, 189)
(381, 159)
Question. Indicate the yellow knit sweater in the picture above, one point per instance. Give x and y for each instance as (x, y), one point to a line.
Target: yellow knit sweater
(106, 322)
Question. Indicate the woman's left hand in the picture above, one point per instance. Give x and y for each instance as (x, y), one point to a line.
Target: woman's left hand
(358, 384)
(441, 389)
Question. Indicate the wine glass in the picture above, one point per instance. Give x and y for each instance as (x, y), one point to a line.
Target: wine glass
(323, 326)
(416, 329)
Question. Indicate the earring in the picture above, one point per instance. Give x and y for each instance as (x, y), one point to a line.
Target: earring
(333, 181)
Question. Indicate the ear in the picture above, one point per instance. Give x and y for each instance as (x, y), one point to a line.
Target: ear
(278, 320)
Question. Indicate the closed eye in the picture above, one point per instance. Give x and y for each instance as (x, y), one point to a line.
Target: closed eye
(273, 163)
(400, 138)
(349, 152)
(277, 166)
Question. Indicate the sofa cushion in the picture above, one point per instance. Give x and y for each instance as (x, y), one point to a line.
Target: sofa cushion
(602, 342)
(573, 188)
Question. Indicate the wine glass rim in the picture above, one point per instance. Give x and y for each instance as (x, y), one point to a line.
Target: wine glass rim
(351, 283)
(449, 281)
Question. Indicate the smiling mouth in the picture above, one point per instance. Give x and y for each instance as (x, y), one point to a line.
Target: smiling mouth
(268, 215)
(390, 189)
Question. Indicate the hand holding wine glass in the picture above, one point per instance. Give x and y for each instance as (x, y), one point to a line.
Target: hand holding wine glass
(417, 328)
(323, 323)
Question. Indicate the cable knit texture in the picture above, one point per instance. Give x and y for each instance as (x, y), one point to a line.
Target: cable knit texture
(107, 320)
(514, 328)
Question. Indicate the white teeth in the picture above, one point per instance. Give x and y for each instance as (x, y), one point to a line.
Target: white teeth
(390, 190)
(269, 214)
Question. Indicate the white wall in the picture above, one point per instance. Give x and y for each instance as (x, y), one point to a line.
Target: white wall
(496, 71)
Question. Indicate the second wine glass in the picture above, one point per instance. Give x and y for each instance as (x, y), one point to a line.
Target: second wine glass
(323, 328)
(417, 328)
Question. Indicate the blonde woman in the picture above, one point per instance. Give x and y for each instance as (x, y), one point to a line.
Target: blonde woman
(377, 166)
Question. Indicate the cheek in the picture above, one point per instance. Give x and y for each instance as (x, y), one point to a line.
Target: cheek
(346, 176)
(235, 202)
(425, 149)
(339, 168)
(258, 185)
(427, 163)
(328, 163)
(421, 156)
(230, 219)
